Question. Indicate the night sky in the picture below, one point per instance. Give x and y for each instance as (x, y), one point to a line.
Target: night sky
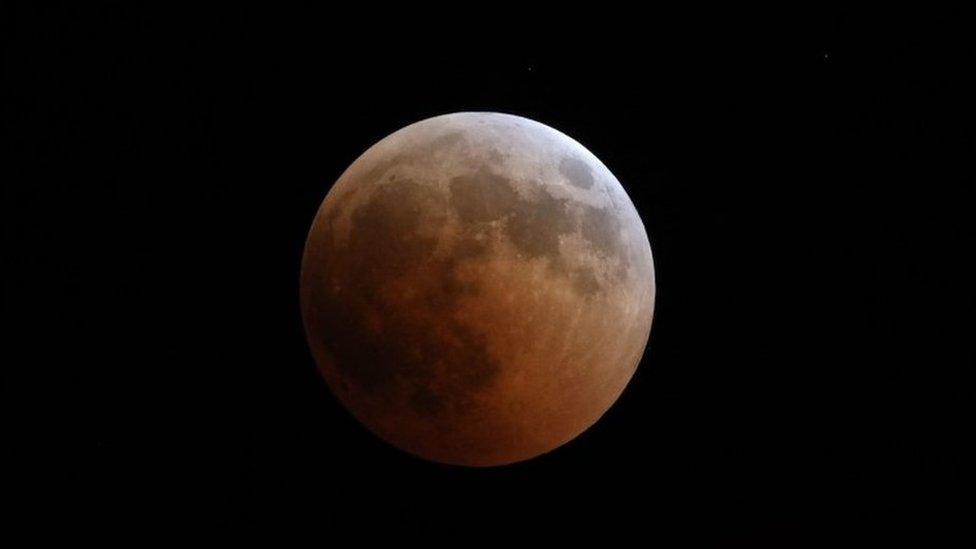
(806, 184)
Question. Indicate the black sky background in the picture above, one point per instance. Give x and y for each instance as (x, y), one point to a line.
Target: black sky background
(806, 184)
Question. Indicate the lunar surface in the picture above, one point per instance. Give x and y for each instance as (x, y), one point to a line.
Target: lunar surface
(477, 289)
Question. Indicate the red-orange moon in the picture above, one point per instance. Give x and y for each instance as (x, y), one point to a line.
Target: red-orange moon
(477, 289)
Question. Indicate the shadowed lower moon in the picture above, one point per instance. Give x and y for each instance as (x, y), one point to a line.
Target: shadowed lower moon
(477, 289)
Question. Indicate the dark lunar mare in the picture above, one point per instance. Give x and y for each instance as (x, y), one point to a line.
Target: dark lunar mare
(387, 346)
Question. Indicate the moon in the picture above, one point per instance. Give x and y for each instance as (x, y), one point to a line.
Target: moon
(477, 289)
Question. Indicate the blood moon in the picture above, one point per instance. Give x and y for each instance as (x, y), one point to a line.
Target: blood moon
(477, 289)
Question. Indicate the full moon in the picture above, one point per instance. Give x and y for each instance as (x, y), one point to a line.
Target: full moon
(477, 289)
